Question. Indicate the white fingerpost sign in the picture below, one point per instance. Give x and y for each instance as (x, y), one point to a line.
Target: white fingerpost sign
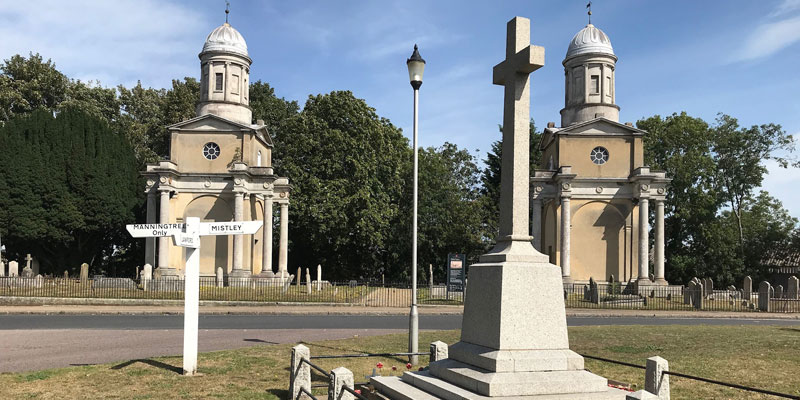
(188, 236)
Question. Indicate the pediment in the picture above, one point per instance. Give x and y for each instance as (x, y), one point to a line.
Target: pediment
(601, 126)
(210, 122)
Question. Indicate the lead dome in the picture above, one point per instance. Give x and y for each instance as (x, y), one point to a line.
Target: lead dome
(225, 39)
(589, 40)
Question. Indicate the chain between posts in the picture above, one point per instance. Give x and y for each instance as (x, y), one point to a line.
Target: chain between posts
(697, 378)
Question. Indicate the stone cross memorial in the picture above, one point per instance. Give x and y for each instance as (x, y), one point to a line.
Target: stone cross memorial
(188, 236)
(514, 340)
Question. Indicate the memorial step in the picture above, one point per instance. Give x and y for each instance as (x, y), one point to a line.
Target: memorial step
(395, 389)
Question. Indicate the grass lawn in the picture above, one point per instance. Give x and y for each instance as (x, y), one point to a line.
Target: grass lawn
(762, 356)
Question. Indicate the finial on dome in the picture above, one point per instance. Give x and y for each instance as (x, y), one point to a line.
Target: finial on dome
(589, 6)
(227, 10)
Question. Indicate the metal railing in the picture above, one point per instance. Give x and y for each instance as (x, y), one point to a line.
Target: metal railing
(377, 294)
(698, 378)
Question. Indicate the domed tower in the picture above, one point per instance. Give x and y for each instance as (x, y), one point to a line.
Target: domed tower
(593, 188)
(225, 77)
(589, 75)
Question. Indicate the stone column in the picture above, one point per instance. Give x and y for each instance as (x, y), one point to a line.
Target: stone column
(659, 259)
(163, 242)
(267, 239)
(284, 239)
(536, 224)
(644, 240)
(566, 220)
(150, 243)
(238, 240)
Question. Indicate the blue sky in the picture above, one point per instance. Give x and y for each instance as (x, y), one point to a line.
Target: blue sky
(703, 57)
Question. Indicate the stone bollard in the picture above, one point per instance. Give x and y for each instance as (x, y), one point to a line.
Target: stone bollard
(300, 374)
(655, 381)
(641, 395)
(340, 377)
(439, 351)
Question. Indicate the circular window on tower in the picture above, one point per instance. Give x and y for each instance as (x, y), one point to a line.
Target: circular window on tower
(599, 155)
(211, 151)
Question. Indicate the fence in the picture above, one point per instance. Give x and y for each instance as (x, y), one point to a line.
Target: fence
(377, 294)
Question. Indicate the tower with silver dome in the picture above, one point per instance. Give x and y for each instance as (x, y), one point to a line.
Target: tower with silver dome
(220, 169)
(225, 75)
(589, 74)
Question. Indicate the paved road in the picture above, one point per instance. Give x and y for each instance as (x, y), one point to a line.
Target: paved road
(34, 342)
(432, 322)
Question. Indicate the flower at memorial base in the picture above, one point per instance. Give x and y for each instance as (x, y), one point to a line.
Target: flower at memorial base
(358, 391)
(394, 368)
(408, 366)
(421, 369)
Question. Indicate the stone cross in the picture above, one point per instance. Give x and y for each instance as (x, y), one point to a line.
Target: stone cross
(521, 59)
(28, 260)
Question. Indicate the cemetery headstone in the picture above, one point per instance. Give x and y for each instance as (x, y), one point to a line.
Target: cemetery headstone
(765, 292)
(747, 287)
(27, 272)
(220, 277)
(612, 285)
(66, 275)
(13, 268)
(35, 266)
(319, 277)
(688, 293)
(299, 276)
(594, 295)
(113, 283)
(793, 288)
(137, 272)
(308, 281)
(779, 292)
(2, 269)
(287, 283)
(430, 276)
(38, 282)
(147, 276)
(84, 273)
(708, 285)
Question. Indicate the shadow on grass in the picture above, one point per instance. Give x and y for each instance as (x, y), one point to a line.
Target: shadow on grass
(279, 393)
(795, 330)
(259, 341)
(153, 363)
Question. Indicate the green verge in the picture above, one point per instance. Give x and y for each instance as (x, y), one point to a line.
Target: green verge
(759, 356)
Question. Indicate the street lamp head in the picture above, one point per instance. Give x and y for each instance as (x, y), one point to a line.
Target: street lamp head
(416, 66)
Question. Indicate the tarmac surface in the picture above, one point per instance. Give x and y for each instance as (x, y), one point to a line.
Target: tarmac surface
(39, 337)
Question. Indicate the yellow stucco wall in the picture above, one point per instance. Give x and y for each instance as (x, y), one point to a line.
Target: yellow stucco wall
(187, 151)
(575, 150)
(217, 251)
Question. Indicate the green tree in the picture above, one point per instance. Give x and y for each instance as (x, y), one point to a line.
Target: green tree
(740, 154)
(346, 165)
(269, 107)
(68, 185)
(27, 84)
(450, 212)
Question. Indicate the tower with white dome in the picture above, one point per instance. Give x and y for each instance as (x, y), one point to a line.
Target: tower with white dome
(220, 169)
(589, 76)
(590, 200)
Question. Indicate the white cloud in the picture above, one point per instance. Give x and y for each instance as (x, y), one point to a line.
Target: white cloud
(785, 7)
(116, 41)
(783, 184)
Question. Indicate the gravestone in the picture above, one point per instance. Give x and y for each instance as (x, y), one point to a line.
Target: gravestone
(84, 273)
(35, 266)
(38, 282)
(299, 276)
(27, 272)
(220, 277)
(2, 269)
(287, 283)
(430, 276)
(147, 276)
(594, 295)
(708, 286)
(747, 287)
(319, 277)
(113, 283)
(793, 288)
(612, 285)
(765, 292)
(137, 272)
(66, 275)
(308, 281)
(779, 292)
(13, 268)
(514, 340)
(687, 293)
